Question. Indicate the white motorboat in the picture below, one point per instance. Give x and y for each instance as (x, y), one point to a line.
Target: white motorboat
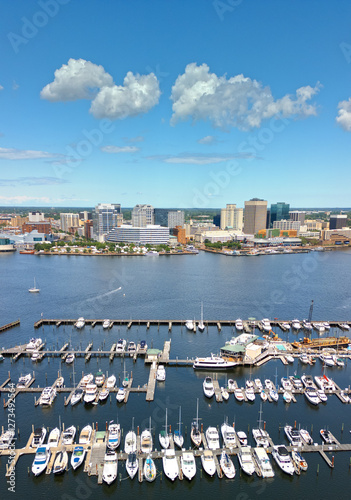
(287, 397)
(132, 465)
(189, 325)
(99, 378)
(289, 358)
(143, 347)
(296, 325)
(34, 344)
(258, 384)
(286, 384)
(80, 323)
(227, 465)
(274, 395)
(188, 465)
(77, 396)
(338, 361)
(245, 460)
(47, 396)
(121, 345)
(213, 363)
(38, 437)
(54, 438)
(286, 326)
(41, 460)
(261, 437)
(326, 325)
(242, 438)
(61, 462)
(68, 435)
(319, 327)
(225, 394)
(34, 289)
(170, 464)
(178, 437)
(212, 438)
(344, 326)
(208, 463)
(322, 395)
(35, 356)
(149, 469)
(6, 439)
(268, 384)
(146, 442)
(266, 325)
(24, 381)
(111, 382)
(85, 435)
(239, 325)
(327, 359)
(131, 348)
(161, 373)
(263, 395)
(106, 324)
(231, 385)
(114, 435)
(59, 382)
(299, 461)
(164, 436)
(70, 358)
(293, 435)
(208, 387)
(104, 394)
(307, 381)
(86, 379)
(130, 443)
(312, 396)
(250, 394)
(306, 325)
(228, 435)
(327, 436)
(325, 383)
(283, 460)
(90, 393)
(77, 457)
(121, 394)
(304, 358)
(305, 435)
(109, 473)
(201, 326)
(296, 382)
(263, 462)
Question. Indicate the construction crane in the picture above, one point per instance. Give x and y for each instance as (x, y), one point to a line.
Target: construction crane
(310, 313)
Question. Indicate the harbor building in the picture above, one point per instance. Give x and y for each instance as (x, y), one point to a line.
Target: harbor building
(278, 211)
(6, 245)
(232, 217)
(106, 216)
(152, 234)
(175, 218)
(255, 215)
(143, 215)
(338, 221)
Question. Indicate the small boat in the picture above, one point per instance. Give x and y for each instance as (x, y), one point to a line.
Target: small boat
(68, 435)
(54, 438)
(326, 325)
(239, 325)
(250, 394)
(47, 396)
(130, 443)
(293, 435)
(121, 345)
(178, 436)
(132, 465)
(208, 463)
(274, 395)
(266, 325)
(263, 462)
(111, 382)
(188, 465)
(69, 358)
(296, 382)
(344, 326)
(261, 437)
(227, 465)
(38, 437)
(263, 395)
(306, 325)
(304, 358)
(238, 394)
(121, 394)
(87, 379)
(90, 393)
(212, 438)
(35, 356)
(286, 384)
(41, 460)
(33, 344)
(131, 348)
(225, 394)
(189, 325)
(85, 435)
(59, 382)
(242, 438)
(24, 381)
(99, 378)
(109, 473)
(312, 396)
(61, 462)
(322, 395)
(258, 384)
(34, 289)
(268, 384)
(170, 464)
(6, 439)
(80, 323)
(231, 385)
(104, 394)
(306, 436)
(163, 436)
(338, 361)
(146, 443)
(299, 461)
(228, 435)
(213, 363)
(327, 359)
(319, 327)
(161, 373)
(114, 435)
(245, 460)
(77, 457)
(106, 324)
(307, 381)
(201, 326)
(289, 358)
(287, 397)
(282, 458)
(149, 469)
(143, 346)
(326, 436)
(208, 387)
(296, 325)
(77, 396)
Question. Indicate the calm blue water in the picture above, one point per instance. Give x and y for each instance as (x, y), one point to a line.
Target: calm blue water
(279, 286)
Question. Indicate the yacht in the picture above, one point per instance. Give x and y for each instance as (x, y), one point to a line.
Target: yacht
(212, 437)
(228, 435)
(132, 465)
(121, 394)
(99, 379)
(282, 457)
(242, 438)
(263, 462)
(322, 396)
(286, 384)
(6, 439)
(161, 373)
(170, 464)
(266, 325)
(34, 289)
(68, 435)
(188, 465)
(87, 379)
(69, 358)
(238, 394)
(121, 345)
(312, 396)
(306, 325)
(77, 396)
(35, 356)
(227, 465)
(130, 444)
(208, 387)
(33, 344)
(77, 457)
(41, 460)
(114, 435)
(109, 473)
(296, 325)
(54, 438)
(296, 382)
(245, 460)
(178, 437)
(163, 436)
(327, 359)
(103, 394)
(80, 323)
(258, 384)
(149, 469)
(85, 435)
(239, 325)
(24, 381)
(38, 437)
(111, 382)
(106, 324)
(61, 462)
(201, 326)
(299, 461)
(306, 436)
(47, 396)
(189, 325)
(208, 463)
(131, 348)
(90, 393)
(146, 443)
(213, 362)
(293, 435)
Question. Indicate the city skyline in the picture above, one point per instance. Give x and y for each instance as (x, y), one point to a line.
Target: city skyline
(126, 107)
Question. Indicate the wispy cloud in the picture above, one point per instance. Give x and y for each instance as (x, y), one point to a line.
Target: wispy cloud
(25, 154)
(19, 200)
(119, 149)
(209, 139)
(138, 138)
(32, 181)
(15, 85)
(1, 87)
(199, 159)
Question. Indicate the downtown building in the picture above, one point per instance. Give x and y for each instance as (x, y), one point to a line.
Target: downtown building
(255, 215)
(278, 211)
(68, 222)
(149, 234)
(176, 218)
(232, 217)
(106, 216)
(143, 215)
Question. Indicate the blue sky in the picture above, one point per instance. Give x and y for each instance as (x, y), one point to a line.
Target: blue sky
(175, 103)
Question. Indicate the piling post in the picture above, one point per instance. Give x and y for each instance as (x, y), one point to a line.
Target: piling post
(317, 469)
(333, 461)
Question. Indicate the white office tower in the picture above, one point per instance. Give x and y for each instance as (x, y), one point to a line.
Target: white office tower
(143, 215)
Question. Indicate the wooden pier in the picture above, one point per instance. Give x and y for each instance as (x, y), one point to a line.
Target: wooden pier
(9, 325)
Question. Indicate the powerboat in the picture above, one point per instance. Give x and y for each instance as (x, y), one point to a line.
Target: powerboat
(296, 325)
(47, 396)
(114, 436)
(293, 435)
(130, 443)
(170, 464)
(274, 395)
(106, 324)
(90, 393)
(188, 465)
(338, 361)
(250, 394)
(258, 384)
(143, 346)
(34, 344)
(263, 462)
(189, 325)
(327, 359)
(131, 348)
(99, 379)
(322, 395)
(208, 463)
(319, 327)
(239, 325)
(299, 461)
(325, 383)
(161, 373)
(238, 394)
(6, 439)
(213, 363)
(326, 436)
(306, 436)
(61, 462)
(24, 381)
(225, 393)
(245, 460)
(312, 396)
(104, 394)
(266, 325)
(289, 358)
(149, 469)
(344, 326)
(121, 345)
(86, 379)
(306, 325)
(111, 382)
(287, 397)
(307, 381)
(77, 457)
(85, 435)
(296, 382)
(283, 460)
(59, 382)
(38, 437)
(109, 473)
(35, 356)
(54, 438)
(263, 395)
(242, 438)
(69, 358)
(212, 437)
(41, 460)
(121, 394)
(77, 396)
(80, 323)
(261, 437)
(227, 465)
(304, 358)
(228, 435)
(268, 384)
(344, 397)
(208, 387)
(146, 443)
(68, 435)
(231, 385)
(132, 465)
(286, 384)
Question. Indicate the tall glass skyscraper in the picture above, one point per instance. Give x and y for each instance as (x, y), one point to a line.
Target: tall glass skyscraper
(279, 211)
(105, 218)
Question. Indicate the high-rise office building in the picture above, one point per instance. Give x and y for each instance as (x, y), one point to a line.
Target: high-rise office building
(255, 215)
(175, 218)
(297, 215)
(85, 215)
(36, 217)
(279, 211)
(105, 217)
(232, 217)
(68, 221)
(337, 221)
(143, 215)
(161, 216)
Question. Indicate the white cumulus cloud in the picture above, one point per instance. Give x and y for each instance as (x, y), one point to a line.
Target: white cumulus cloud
(344, 115)
(1, 87)
(208, 139)
(78, 79)
(24, 154)
(118, 149)
(233, 102)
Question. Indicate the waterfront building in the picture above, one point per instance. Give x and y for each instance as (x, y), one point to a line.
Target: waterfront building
(278, 211)
(232, 217)
(68, 221)
(313, 225)
(331, 234)
(143, 215)
(152, 234)
(6, 245)
(216, 236)
(175, 218)
(106, 216)
(180, 234)
(41, 227)
(161, 216)
(287, 225)
(255, 215)
(338, 221)
(297, 215)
